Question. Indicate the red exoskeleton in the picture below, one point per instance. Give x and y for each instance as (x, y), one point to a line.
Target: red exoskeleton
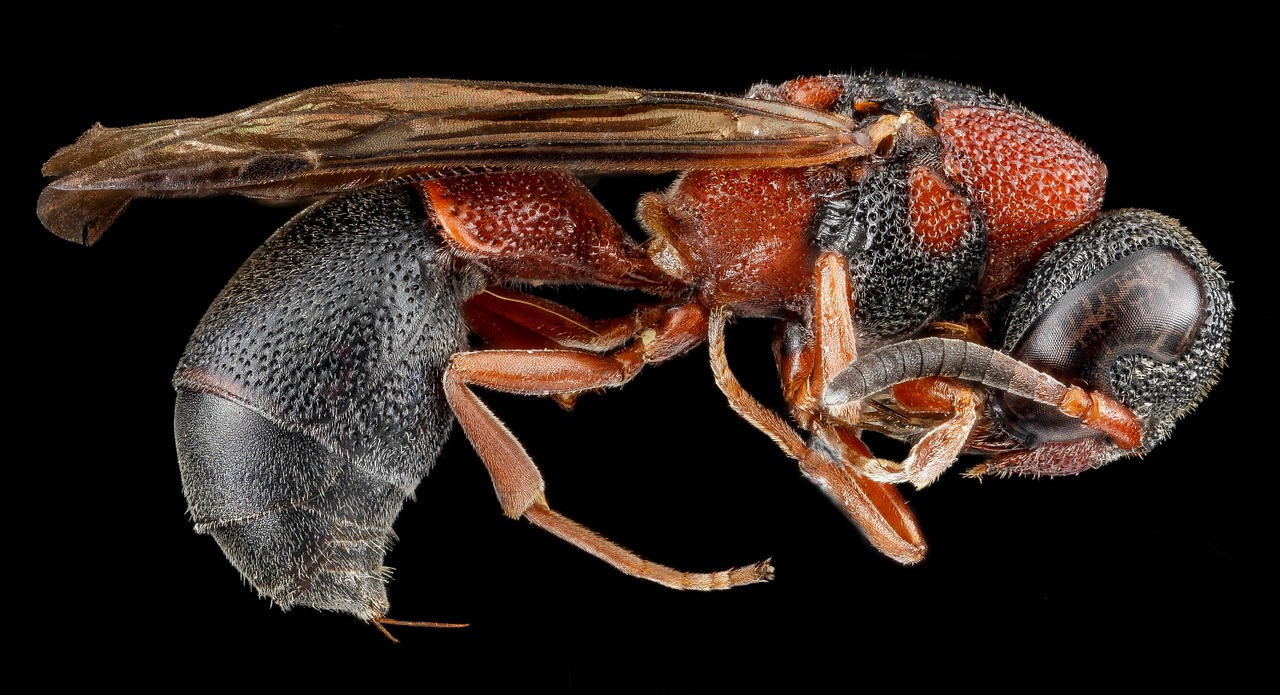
(936, 258)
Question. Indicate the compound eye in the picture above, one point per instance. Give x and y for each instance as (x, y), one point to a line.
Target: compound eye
(1149, 303)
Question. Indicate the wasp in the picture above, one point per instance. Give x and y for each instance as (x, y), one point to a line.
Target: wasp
(936, 259)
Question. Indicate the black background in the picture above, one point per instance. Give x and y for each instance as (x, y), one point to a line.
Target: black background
(1144, 572)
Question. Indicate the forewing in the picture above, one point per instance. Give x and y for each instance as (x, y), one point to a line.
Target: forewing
(345, 137)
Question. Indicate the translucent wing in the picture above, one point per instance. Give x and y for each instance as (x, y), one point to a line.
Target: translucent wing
(344, 137)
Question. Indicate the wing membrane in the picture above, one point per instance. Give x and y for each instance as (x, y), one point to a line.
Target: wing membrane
(343, 137)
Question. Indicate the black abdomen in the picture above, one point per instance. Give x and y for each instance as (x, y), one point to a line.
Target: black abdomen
(309, 398)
